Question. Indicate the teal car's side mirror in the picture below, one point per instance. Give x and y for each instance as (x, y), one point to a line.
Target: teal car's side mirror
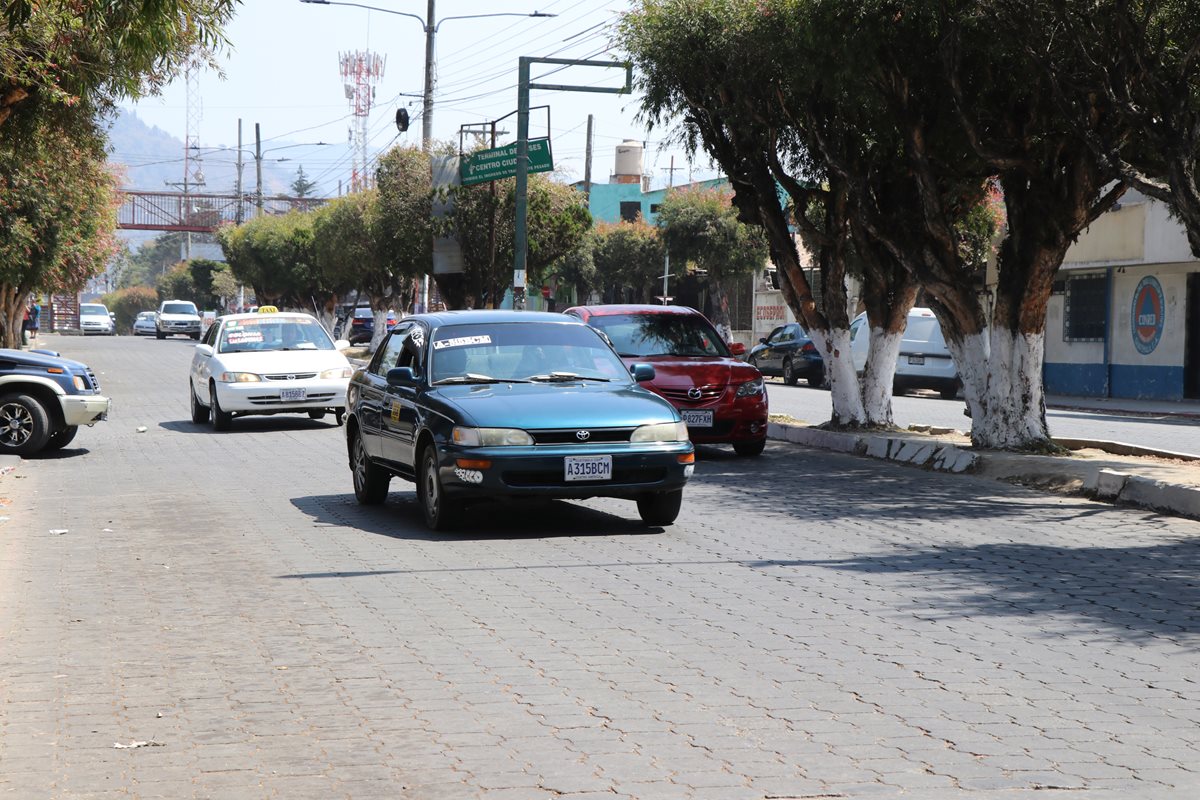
(401, 376)
(642, 372)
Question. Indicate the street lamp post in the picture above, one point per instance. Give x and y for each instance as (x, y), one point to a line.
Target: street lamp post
(431, 28)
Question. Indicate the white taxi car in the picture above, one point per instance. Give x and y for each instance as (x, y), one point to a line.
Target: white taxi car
(270, 362)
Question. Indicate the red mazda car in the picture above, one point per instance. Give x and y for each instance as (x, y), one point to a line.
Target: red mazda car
(722, 400)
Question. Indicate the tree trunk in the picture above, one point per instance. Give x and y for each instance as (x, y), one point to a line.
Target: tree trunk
(12, 314)
(879, 373)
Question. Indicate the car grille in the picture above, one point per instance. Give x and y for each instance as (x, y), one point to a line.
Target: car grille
(626, 476)
(290, 376)
(273, 400)
(707, 394)
(570, 435)
(91, 376)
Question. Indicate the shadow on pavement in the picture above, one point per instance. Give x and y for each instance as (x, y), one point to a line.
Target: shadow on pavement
(54, 455)
(401, 518)
(258, 424)
(1136, 592)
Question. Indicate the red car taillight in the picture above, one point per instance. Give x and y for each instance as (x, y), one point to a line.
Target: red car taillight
(809, 348)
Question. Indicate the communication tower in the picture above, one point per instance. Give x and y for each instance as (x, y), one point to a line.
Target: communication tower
(361, 70)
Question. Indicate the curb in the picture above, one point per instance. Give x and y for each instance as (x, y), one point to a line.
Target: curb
(1056, 474)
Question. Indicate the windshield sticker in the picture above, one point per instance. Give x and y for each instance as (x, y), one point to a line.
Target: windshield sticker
(462, 341)
(243, 337)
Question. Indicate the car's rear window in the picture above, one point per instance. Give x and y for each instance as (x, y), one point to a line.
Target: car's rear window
(179, 308)
(651, 334)
(923, 329)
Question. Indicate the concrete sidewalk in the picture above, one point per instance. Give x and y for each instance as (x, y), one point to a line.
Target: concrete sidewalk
(1115, 472)
(1118, 405)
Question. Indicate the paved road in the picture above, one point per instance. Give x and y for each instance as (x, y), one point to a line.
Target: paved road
(1181, 435)
(814, 625)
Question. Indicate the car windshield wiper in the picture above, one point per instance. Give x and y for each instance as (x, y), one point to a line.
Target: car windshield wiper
(472, 377)
(564, 377)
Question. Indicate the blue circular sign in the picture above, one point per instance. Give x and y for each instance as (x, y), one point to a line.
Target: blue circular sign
(1149, 311)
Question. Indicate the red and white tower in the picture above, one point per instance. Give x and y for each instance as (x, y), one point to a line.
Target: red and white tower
(361, 70)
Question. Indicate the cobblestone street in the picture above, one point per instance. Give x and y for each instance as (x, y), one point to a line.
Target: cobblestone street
(813, 626)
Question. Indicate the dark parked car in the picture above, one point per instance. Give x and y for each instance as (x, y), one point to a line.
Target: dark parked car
(362, 325)
(44, 399)
(789, 353)
(474, 405)
(721, 399)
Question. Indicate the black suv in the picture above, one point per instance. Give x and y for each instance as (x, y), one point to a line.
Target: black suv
(44, 399)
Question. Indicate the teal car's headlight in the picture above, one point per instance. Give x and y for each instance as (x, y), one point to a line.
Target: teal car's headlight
(661, 432)
(491, 437)
(340, 372)
(750, 388)
(239, 377)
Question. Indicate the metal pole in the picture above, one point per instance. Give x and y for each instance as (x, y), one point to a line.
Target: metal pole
(492, 234)
(666, 275)
(427, 109)
(587, 162)
(258, 167)
(240, 211)
(521, 243)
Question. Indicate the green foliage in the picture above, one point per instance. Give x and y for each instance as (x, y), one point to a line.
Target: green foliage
(347, 249)
(224, 285)
(302, 186)
(402, 219)
(274, 255)
(700, 227)
(127, 303)
(178, 284)
(151, 260)
(628, 258)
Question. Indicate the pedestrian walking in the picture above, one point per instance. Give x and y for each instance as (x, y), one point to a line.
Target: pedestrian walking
(25, 326)
(35, 319)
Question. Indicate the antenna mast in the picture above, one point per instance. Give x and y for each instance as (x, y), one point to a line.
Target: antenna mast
(361, 70)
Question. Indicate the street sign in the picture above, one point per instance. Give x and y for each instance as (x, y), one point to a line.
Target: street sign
(501, 162)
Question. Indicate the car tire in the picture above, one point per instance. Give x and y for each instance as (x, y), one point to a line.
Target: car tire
(24, 425)
(816, 381)
(317, 414)
(370, 481)
(195, 336)
(750, 448)
(789, 372)
(199, 412)
(948, 392)
(159, 335)
(660, 508)
(439, 515)
(339, 415)
(61, 438)
(221, 420)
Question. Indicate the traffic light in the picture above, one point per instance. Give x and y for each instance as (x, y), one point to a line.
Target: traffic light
(402, 119)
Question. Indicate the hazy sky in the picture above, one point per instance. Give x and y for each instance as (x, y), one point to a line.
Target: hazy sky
(282, 71)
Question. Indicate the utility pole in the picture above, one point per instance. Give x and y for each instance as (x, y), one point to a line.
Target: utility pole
(258, 168)
(240, 212)
(671, 173)
(427, 100)
(587, 162)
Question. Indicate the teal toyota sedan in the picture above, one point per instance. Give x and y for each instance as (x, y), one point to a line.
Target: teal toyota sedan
(488, 405)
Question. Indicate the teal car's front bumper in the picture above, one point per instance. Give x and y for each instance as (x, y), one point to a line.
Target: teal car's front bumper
(541, 470)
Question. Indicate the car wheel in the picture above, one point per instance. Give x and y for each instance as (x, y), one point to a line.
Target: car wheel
(749, 448)
(438, 514)
(61, 438)
(24, 425)
(220, 419)
(370, 482)
(195, 336)
(948, 392)
(317, 414)
(660, 508)
(159, 335)
(199, 412)
(817, 381)
(789, 372)
(339, 414)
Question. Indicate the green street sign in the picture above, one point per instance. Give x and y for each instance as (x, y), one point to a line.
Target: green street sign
(501, 162)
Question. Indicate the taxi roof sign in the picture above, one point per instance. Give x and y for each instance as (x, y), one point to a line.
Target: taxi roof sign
(268, 310)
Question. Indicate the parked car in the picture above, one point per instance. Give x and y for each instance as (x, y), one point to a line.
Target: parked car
(177, 317)
(485, 405)
(44, 398)
(267, 363)
(362, 324)
(722, 399)
(924, 361)
(94, 318)
(143, 324)
(789, 353)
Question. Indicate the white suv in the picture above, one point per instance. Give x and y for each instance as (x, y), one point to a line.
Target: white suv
(177, 316)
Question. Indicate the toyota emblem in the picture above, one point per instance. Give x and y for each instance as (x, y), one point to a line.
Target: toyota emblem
(694, 393)
(291, 377)
(583, 436)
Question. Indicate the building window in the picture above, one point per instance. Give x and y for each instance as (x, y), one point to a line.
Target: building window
(654, 207)
(1086, 312)
(631, 210)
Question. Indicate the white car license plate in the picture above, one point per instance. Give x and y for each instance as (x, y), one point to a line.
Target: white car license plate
(697, 419)
(918, 360)
(588, 468)
(293, 395)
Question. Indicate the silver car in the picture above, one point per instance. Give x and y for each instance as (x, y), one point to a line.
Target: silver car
(144, 324)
